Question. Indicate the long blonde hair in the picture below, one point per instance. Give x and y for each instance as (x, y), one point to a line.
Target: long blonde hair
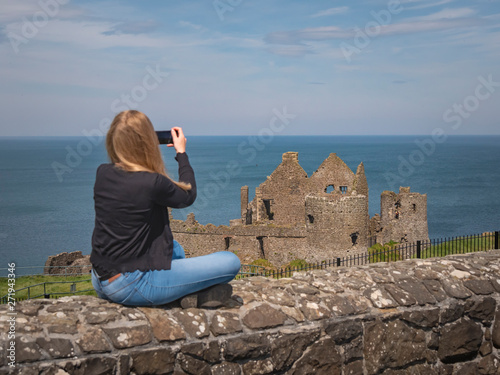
(132, 145)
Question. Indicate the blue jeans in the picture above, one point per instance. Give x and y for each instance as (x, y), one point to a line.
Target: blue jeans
(186, 276)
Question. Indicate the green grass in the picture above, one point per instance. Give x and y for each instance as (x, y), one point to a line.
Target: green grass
(25, 281)
(384, 253)
(459, 245)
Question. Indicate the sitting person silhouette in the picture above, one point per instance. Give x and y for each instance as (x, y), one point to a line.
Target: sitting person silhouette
(135, 259)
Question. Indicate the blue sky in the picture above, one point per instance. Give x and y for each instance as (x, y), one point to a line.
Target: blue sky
(231, 66)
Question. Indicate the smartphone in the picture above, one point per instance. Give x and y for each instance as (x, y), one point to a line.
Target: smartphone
(165, 137)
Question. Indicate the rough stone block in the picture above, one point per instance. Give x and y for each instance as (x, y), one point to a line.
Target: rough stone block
(392, 344)
(321, 358)
(224, 323)
(165, 328)
(402, 297)
(459, 341)
(226, 368)
(483, 310)
(94, 366)
(344, 331)
(94, 341)
(479, 287)
(264, 316)
(194, 322)
(423, 318)
(380, 298)
(246, 347)
(126, 336)
(417, 291)
(56, 347)
(289, 346)
(209, 352)
(455, 290)
(435, 288)
(495, 337)
(154, 361)
(100, 314)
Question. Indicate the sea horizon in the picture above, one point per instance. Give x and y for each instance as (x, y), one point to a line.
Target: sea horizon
(44, 213)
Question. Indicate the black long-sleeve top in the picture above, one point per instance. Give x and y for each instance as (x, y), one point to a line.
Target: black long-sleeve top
(132, 229)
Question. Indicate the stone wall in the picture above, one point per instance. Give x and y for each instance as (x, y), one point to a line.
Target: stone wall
(403, 216)
(436, 316)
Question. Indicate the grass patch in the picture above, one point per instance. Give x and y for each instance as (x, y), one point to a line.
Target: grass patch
(459, 245)
(38, 290)
(384, 253)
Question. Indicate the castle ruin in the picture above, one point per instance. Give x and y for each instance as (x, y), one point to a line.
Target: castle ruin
(321, 217)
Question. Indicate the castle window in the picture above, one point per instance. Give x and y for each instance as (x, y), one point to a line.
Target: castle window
(329, 189)
(227, 241)
(261, 247)
(267, 205)
(414, 207)
(310, 218)
(343, 189)
(354, 238)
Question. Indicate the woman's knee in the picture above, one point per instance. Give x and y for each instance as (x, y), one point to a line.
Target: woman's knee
(232, 261)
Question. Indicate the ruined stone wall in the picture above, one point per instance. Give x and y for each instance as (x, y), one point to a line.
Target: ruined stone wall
(280, 245)
(284, 190)
(403, 216)
(435, 316)
(337, 225)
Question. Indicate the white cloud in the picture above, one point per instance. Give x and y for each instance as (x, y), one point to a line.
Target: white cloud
(330, 12)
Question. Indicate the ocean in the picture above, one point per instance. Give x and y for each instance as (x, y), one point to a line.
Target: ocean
(46, 183)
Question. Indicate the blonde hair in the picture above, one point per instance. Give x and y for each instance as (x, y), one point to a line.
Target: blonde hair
(132, 145)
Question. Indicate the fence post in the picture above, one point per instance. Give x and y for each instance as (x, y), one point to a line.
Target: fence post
(419, 249)
(496, 240)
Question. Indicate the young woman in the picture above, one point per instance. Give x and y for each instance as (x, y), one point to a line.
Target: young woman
(135, 259)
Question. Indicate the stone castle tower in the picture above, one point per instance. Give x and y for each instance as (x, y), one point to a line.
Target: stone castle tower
(316, 218)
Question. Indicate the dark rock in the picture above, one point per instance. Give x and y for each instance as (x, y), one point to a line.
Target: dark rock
(415, 288)
(246, 347)
(455, 290)
(56, 347)
(344, 331)
(435, 288)
(485, 349)
(423, 318)
(483, 310)
(465, 369)
(56, 264)
(60, 322)
(127, 336)
(488, 365)
(209, 352)
(304, 288)
(452, 313)
(165, 328)
(459, 341)
(278, 297)
(339, 305)
(193, 366)
(392, 344)
(27, 351)
(289, 345)
(402, 297)
(264, 316)
(226, 368)
(100, 314)
(479, 287)
(224, 323)
(321, 358)
(353, 368)
(94, 341)
(194, 322)
(155, 361)
(312, 310)
(94, 366)
(260, 367)
(380, 297)
(495, 337)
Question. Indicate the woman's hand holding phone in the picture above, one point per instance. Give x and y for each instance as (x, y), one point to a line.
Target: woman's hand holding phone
(179, 140)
